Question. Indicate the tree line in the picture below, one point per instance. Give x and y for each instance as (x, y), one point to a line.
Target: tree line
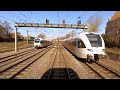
(109, 43)
(5, 30)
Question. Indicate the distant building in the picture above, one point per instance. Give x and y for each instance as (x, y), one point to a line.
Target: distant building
(113, 28)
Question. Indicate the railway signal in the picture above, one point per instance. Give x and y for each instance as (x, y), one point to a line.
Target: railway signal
(79, 22)
(47, 21)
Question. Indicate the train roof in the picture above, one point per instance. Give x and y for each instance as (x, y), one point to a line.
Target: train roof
(43, 39)
(85, 33)
(38, 38)
(79, 34)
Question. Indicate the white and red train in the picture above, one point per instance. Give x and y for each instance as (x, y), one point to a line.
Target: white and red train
(87, 45)
(39, 43)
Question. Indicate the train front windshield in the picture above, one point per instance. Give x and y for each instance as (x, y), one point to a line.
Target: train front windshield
(37, 40)
(95, 40)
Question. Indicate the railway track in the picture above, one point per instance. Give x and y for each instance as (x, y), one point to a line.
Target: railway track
(17, 55)
(14, 54)
(70, 73)
(59, 69)
(58, 73)
(103, 71)
(93, 74)
(100, 71)
(90, 72)
(3, 50)
(11, 68)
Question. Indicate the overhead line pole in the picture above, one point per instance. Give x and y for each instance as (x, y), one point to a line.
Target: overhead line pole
(16, 39)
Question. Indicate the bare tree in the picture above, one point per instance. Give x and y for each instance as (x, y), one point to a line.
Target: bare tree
(7, 26)
(41, 36)
(94, 24)
(5, 30)
(1, 32)
(70, 34)
(67, 35)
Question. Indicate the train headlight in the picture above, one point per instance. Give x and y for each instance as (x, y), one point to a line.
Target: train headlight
(90, 50)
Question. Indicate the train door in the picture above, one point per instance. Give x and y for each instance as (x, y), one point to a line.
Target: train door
(72, 46)
(80, 47)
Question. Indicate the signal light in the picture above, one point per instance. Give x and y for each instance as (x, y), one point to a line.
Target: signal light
(47, 21)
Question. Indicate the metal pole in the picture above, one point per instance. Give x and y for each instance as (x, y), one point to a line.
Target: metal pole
(16, 39)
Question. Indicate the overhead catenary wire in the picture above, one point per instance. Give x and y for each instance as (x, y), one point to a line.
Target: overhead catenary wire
(92, 17)
(30, 15)
(7, 18)
(36, 27)
(28, 19)
(13, 20)
(78, 17)
(25, 16)
(67, 17)
(17, 16)
(58, 19)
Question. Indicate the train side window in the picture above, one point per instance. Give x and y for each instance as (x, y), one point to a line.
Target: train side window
(80, 44)
(71, 43)
(42, 41)
(74, 43)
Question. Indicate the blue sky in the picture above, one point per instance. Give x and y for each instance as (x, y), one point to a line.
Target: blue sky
(55, 17)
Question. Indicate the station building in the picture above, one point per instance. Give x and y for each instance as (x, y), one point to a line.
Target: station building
(113, 28)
